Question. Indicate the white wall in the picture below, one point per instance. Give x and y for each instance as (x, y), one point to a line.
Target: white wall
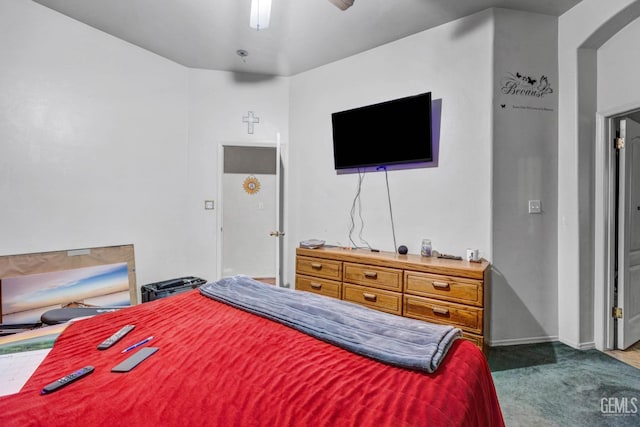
(618, 63)
(93, 142)
(617, 93)
(524, 265)
(508, 155)
(104, 143)
(217, 102)
(582, 30)
(451, 203)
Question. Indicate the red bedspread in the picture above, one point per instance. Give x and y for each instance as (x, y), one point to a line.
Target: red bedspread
(220, 366)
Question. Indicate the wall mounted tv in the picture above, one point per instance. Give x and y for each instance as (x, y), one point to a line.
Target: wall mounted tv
(389, 133)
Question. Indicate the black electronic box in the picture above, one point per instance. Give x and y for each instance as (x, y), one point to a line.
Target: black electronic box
(166, 288)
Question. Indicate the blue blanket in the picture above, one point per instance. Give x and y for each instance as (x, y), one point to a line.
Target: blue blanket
(395, 340)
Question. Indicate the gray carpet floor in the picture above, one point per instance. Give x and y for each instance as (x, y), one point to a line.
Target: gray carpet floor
(552, 384)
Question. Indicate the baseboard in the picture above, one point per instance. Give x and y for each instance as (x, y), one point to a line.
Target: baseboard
(536, 340)
(580, 346)
(587, 346)
(519, 341)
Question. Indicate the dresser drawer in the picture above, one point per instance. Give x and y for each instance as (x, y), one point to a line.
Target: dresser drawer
(478, 340)
(377, 277)
(447, 288)
(391, 302)
(316, 285)
(319, 267)
(464, 317)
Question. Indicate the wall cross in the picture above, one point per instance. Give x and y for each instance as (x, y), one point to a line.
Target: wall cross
(250, 119)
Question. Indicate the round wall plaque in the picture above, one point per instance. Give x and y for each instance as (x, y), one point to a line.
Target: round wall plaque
(251, 185)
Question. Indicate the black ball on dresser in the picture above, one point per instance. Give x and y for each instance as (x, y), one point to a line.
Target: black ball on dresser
(402, 250)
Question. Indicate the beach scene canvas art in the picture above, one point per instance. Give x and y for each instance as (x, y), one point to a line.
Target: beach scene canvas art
(25, 298)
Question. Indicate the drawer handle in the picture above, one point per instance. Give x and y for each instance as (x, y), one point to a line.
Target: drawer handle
(370, 297)
(442, 311)
(440, 285)
(316, 265)
(370, 274)
(315, 285)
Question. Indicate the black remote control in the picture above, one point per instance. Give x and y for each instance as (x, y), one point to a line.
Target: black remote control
(67, 380)
(115, 337)
(445, 256)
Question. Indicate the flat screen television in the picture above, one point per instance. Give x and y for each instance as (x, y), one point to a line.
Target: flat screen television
(389, 133)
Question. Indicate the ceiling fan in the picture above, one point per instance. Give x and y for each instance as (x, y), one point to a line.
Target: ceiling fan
(343, 4)
(261, 12)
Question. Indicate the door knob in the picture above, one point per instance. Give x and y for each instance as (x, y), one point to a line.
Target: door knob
(276, 234)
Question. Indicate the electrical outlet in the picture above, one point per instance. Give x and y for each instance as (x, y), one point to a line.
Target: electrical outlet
(535, 207)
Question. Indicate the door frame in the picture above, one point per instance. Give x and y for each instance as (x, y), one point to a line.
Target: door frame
(281, 195)
(604, 325)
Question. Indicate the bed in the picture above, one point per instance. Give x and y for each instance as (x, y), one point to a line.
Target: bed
(221, 365)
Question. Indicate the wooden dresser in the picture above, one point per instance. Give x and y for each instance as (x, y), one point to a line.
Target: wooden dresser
(432, 289)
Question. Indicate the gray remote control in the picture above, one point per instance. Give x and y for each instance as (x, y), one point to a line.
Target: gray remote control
(67, 380)
(115, 337)
(135, 360)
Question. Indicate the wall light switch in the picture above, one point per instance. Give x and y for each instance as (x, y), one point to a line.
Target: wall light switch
(535, 207)
(208, 204)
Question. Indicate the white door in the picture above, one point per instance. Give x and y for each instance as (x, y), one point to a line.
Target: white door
(628, 327)
(278, 225)
(250, 200)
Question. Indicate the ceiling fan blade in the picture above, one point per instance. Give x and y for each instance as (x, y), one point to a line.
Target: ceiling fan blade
(342, 4)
